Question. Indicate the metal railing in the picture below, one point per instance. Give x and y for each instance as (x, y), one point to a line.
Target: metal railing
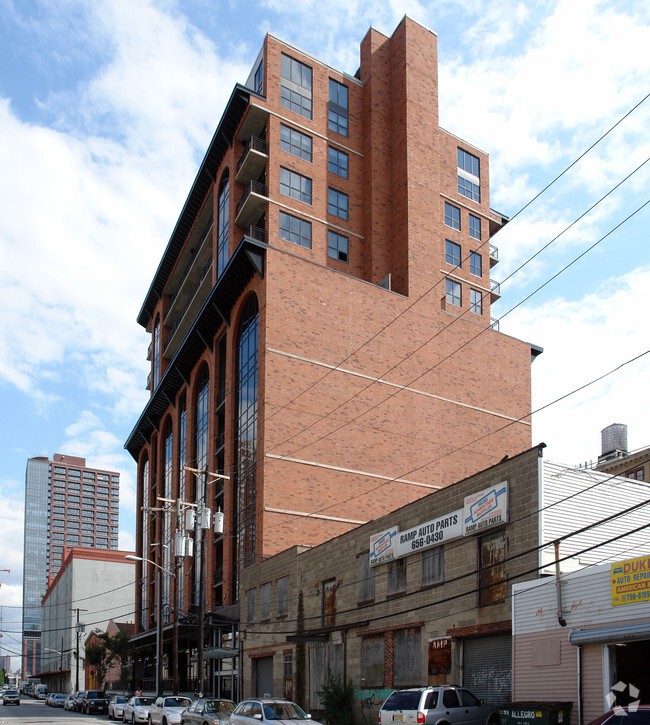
(254, 187)
(255, 144)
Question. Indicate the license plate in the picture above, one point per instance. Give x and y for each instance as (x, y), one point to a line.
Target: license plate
(398, 718)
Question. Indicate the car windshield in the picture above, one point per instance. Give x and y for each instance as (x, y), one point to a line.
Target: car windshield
(404, 700)
(119, 700)
(284, 710)
(144, 701)
(219, 706)
(177, 702)
(95, 694)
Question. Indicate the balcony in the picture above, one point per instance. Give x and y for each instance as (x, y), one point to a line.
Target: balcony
(253, 160)
(252, 204)
(254, 122)
(495, 291)
(149, 351)
(256, 233)
(494, 255)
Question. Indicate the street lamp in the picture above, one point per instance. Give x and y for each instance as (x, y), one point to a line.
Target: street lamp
(133, 557)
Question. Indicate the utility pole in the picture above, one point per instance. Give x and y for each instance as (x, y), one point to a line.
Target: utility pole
(79, 627)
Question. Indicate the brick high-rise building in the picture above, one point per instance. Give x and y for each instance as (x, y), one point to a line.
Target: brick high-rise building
(320, 319)
(66, 504)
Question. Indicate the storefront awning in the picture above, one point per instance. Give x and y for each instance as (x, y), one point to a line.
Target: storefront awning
(611, 635)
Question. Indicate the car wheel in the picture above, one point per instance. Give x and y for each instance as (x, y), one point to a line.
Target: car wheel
(494, 720)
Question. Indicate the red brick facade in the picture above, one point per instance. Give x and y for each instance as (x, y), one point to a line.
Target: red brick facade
(367, 398)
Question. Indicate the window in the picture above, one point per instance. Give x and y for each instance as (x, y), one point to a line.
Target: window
(406, 657)
(337, 203)
(372, 660)
(265, 601)
(295, 230)
(296, 143)
(476, 264)
(492, 568)
(469, 181)
(283, 596)
(366, 579)
(223, 221)
(452, 253)
(156, 353)
(474, 227)
(250, 606)
(337, 119)
(453, 292)
(337, 162)
(258, 81)
(433, 566)
(295, 185)
(476, 301)
(452, 216)
(295, 89)
(337, 246)
(396, 577)
(637, 474)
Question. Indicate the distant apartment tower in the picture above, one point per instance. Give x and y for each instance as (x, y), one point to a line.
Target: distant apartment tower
(66, 504)
(320, 322)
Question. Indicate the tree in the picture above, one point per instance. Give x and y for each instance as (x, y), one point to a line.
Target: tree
(109, 651)
(337, 700)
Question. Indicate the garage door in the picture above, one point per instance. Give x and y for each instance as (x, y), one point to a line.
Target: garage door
(487, 667)
(264, 667)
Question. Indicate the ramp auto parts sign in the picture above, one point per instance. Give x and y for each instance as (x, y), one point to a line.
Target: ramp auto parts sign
(382, 546)
(486, 508)
(432, 533)
(631, 581)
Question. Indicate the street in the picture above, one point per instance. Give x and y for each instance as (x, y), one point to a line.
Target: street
(36, 712)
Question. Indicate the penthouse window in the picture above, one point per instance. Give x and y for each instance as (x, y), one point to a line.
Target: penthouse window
(453, 292)
(337, 246)
(295, 86)
(295, 185)
(338, 162)
(337, 203)
(295, 230)
(337, 119)
(469, 181)
(452, 216)
(296, 143)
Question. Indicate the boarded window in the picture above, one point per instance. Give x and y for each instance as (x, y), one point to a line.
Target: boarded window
(492, 568)
(318, 672)
(265, 601)
(433, 566)
(372, 661)
(366, 579)
(328, 604)
(407, 658)
(396, 576)
(283, 589)
(250, 606)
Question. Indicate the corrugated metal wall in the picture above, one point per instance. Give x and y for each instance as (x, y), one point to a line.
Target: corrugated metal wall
(487, 667)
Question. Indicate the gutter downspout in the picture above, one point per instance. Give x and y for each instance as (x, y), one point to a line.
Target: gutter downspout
(579, 655)
(558, 584)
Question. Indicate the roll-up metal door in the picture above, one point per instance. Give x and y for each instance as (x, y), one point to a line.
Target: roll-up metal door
(487, 667)
(264, 666)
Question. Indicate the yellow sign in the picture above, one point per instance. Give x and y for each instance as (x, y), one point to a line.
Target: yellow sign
(631, 581)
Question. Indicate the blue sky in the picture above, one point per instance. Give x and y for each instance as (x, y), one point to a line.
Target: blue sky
(106, 110)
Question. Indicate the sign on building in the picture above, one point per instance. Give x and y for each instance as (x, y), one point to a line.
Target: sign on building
(486, 508)
(631, 581)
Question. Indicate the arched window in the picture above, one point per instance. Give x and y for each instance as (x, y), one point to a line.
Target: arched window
(182, 462)
(201, 405)
(168, 448)
(223, 222)
(156, 354)
(144, 483)
(246, 424)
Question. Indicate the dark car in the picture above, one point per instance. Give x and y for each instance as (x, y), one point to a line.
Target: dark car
(630, 715)
(429, 705)
(94, 701)
(11, 697)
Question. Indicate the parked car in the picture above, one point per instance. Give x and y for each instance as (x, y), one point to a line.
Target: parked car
(429, 705)
(11, 697)
(630, 715)
(57, 699)
(268, 710)
(78, 697)
(94, 701)
(208, 711)
(137, 709)
(116, 707)
(68, 703)
(167, 710)
(40, 692)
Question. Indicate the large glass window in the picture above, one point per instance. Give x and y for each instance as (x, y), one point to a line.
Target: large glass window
(337, 119)
(201, 418)
(295, 230)
(474, 226)
(294, 142)
(337, 246)
(156, 353)
(452, 253)
(476, 264)
(222, 225)
(452, 216)
(295, 185)
(246, 434)
(469, 181)
(453, 291)
(337, 162)
(168, 449)
(337, 203)
(258, 80)
(476, 301)
(295, 88)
